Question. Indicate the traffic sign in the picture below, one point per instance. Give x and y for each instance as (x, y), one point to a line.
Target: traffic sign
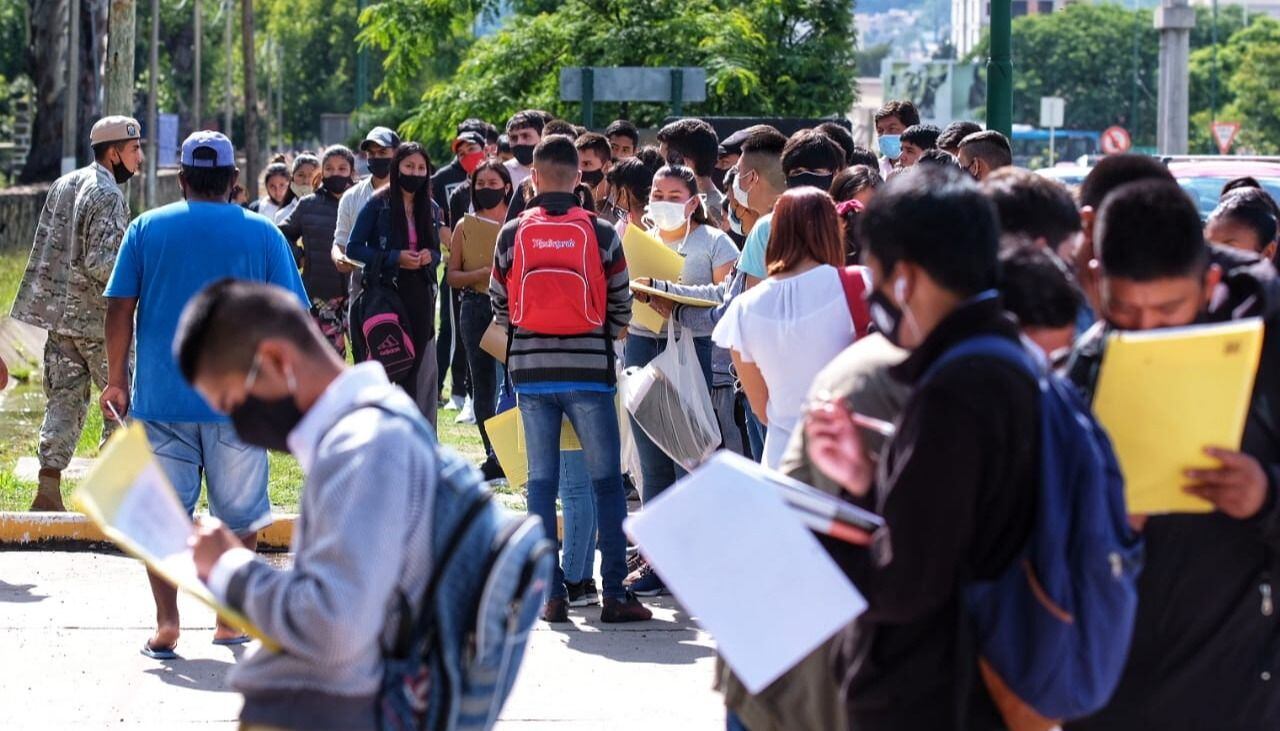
(1224, 133)
(1115, 140)
(1052, 109)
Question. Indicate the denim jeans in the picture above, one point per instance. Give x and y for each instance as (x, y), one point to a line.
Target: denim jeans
(658, 470)
(579, 503)
(475, 314)
(235, 472)
(755, 434)
(595, 419)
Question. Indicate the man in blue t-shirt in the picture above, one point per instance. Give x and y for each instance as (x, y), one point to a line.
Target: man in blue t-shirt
(168, 255)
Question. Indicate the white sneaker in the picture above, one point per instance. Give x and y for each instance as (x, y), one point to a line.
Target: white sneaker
(454, 404)
(468, 413)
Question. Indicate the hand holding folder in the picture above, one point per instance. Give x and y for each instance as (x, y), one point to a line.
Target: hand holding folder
(649, 257)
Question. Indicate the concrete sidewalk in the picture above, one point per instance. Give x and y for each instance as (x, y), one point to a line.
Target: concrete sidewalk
(71, 625)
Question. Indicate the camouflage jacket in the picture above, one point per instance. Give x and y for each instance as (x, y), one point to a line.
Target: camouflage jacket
(73, 253)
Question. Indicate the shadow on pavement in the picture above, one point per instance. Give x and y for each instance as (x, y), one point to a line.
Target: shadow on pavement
(19, 593)
(201, 674)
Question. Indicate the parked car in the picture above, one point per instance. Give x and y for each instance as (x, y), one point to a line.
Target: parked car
(1201, 176)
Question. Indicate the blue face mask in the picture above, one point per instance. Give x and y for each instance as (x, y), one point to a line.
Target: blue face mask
(891, 146)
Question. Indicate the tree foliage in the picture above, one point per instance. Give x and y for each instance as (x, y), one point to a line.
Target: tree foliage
(792, 57)
(1248, 88)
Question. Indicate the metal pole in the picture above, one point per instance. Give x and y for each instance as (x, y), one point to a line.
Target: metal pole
(153, 125)
(677, 92)
(1213, 86)
(588, 97)
(70, 134)
(1052, 151)
(1000, 69)
(1174, 19)
(1133, 99)
(119, 67)
(227, 10)
(197, 92)
(249, 176)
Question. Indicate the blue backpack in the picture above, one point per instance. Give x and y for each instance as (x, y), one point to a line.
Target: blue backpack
(1054, 628)
(452, 666)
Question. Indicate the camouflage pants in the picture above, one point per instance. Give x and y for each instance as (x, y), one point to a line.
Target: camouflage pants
(70, 365)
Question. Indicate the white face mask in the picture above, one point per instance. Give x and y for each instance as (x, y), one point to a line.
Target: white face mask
(302, 191)
(668, 216)
(739, 194)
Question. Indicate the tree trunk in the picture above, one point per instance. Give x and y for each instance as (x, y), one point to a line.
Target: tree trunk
(249, 176)
(121, 25)
(46, 63)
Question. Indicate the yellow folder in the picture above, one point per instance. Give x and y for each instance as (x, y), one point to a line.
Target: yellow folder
(475, 239)
(129, 497)
(649, 257)
(677, 298)
(506, 434)
(1165, 395)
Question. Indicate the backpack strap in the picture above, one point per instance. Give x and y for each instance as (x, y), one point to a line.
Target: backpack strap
(855, 296)
(991, 346)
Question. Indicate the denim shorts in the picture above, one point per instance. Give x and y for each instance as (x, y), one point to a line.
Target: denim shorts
(236, 472)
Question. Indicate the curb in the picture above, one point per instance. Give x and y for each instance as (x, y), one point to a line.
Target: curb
(41, 530)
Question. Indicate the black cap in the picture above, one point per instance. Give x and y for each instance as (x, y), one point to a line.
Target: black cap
(382, 137)
(474, 138)
(732, 145)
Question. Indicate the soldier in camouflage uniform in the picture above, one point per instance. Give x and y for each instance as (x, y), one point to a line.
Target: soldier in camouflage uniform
(74, 251)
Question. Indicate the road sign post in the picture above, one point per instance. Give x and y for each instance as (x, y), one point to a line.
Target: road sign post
(1052, 112)
(1224, 133)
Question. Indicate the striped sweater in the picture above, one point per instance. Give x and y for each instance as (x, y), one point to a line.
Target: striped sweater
(538, 359)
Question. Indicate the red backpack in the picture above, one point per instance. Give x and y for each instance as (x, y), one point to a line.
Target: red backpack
(557, 284)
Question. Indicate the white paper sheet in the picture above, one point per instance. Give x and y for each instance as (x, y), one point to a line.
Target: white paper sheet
(745, 566)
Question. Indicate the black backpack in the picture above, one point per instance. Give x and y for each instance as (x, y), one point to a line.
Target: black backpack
(380, 325)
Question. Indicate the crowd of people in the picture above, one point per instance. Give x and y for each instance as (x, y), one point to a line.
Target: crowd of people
(841, 278)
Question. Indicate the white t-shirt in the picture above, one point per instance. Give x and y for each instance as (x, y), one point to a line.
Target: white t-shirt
(519, 173)
(791, 328)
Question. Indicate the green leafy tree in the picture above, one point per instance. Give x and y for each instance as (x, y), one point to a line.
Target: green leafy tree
(1248, 87)
(792, 57)
(311, 51)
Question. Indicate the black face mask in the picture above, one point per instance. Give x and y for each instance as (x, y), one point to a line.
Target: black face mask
(592, 177)
(266, 424)
(380, 167)
(717, 177)
(121, 172)
(412, 183)
(337, 184)
(523, 153)
(486, 198)
(886, 315)
(821, 182)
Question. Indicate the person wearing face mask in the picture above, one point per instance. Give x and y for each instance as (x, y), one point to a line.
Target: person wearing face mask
(368, 498)
(595, 161)
(80, 230)
(629, 184)
(524, 132)
(302, 173)
(958, 479)
(169, 254)
(892, 120)
(313, 222)
(398, 237)
(379, 146)
(275, 181)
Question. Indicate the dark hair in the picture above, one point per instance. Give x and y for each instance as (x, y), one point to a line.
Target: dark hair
(811, 149)
(1148, 230)
(852, 180)
(209, 182)
(560, 127)
(764, 141)
(1032, 205)
(472, 124)
(623, 128)
(695, 141)
(1252, 208)
(493, 166)
(989, 146)
(902, 109)
(341, 151)
(556, 158)
(686, 176)
(220, 329)
(596, 143)
(863, 156)
(1247, 181)
(937, 218)
(504, 143)
(423, 217)
(805, 226)
(652, 156)
(279, 168)
(1113, 171)
(936, 156)
(633, 175)
(1038, 288)
(527, 119)
(840, 135)
(101, 149)
(924, 136)
(953, 134)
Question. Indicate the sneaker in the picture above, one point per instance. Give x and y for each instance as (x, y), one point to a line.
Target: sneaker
(492, 470)
(628, 609)
(454, 404)
(647, 583)
(468, 413)
(556, 611)
(583, 593)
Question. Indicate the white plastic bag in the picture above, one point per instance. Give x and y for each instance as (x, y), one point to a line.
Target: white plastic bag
(670, 401)
(630, 455)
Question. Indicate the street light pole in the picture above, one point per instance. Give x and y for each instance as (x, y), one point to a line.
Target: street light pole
(196, 111)
(1000, 69)
(70, 135)
(153, 120)
(1174, 19)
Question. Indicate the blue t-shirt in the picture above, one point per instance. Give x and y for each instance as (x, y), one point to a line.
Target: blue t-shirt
(753, 251)
(168, 256)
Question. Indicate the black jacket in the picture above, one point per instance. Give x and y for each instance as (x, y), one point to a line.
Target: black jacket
(1206, 649)
(314, 220)
(443, 183)
(957, 487)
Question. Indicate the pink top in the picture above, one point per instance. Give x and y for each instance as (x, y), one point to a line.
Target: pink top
(413, 231)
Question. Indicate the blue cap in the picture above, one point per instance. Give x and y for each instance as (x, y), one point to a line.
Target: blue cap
(224, 152)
